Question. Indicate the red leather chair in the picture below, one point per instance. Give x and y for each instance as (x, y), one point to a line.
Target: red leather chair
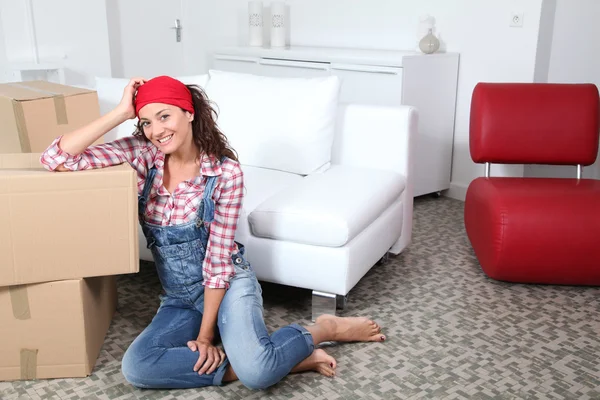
(535, 230)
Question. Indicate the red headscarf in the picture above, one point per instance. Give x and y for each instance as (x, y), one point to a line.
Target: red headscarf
(164, 89)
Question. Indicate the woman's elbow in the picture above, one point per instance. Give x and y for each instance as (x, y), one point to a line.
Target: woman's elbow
(61, 168)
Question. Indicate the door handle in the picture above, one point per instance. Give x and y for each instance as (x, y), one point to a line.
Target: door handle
(177, 28)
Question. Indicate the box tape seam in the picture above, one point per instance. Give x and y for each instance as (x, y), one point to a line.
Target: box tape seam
(20, 306)
(20, 301)
(60, 109)
(21, 126)
(60, 106)
(29, 364)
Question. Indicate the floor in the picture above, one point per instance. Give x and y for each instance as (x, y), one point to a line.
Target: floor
(452, 333)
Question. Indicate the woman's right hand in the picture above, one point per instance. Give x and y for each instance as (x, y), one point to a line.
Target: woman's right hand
(210, 357)
(126, 106)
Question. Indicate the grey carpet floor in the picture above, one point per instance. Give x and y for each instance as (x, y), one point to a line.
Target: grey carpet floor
(452, 332)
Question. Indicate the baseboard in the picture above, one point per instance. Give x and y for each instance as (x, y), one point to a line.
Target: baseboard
(457, 191)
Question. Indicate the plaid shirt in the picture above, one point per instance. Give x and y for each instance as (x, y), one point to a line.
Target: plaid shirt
(164, 208)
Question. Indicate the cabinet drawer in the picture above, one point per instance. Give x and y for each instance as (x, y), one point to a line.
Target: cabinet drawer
(292, 69)
(367, 84)
(247, 65)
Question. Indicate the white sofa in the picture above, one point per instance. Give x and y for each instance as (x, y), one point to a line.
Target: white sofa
(328, 185)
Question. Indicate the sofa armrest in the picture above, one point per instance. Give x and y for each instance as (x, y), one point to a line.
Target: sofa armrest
(376, 136)
(380, 137)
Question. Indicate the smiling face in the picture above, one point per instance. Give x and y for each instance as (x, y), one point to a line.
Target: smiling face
(168, 127)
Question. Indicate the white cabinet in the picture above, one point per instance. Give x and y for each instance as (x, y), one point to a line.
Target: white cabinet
(234, 63)
(20, 72)
(293, 69)
(369, 84)
(388, 78)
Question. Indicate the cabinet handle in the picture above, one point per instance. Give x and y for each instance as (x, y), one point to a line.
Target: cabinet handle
(367, 68)
(294, 64)
(236, 58)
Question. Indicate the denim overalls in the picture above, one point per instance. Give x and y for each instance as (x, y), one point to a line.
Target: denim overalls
(159, 356)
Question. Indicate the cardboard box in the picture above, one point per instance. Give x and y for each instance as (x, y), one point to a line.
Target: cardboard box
(65, 225)
(34, 113)
(55, 329)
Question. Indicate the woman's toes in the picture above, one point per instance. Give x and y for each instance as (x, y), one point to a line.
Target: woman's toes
(378, 337)
(376, 328)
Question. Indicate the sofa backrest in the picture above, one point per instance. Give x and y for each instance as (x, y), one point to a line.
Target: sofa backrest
(286, 124)
(294, 124)
(373, 136)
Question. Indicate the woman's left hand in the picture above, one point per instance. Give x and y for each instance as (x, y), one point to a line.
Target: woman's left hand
(210, 357)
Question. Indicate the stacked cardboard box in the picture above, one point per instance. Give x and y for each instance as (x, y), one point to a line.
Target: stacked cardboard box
(63, 238)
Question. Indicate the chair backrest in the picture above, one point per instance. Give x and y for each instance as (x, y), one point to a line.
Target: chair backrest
(534, 123)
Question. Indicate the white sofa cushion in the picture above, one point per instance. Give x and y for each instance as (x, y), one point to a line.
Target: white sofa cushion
(287, 124)
(259, 185)
(110, 92)
(329, 208)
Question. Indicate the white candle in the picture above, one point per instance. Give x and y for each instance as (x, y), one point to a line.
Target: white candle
(278, 24)
(255, 23)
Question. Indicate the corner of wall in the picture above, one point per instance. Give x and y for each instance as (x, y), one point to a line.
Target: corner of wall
(457, 191)
(3, 57)
(544, 43)
(114, 38)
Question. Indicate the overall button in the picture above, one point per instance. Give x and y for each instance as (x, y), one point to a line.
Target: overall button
(238, 260)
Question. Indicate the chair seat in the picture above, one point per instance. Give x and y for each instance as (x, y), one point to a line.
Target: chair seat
(536, 230)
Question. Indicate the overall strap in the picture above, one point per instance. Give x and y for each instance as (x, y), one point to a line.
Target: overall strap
(143, 198)
(206, 211)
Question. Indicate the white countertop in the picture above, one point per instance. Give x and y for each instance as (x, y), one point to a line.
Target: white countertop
(392, 58)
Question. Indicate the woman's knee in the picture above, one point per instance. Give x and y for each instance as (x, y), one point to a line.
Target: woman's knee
(136, 365)
(256, 379)
(260, 373)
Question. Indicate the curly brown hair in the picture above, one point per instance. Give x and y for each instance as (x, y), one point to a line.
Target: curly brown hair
(207, 136)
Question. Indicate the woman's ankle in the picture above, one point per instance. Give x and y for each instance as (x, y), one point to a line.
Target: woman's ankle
(322, 331)
(230, 375)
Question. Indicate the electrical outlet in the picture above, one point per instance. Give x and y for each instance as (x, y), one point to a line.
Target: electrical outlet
(516, 20)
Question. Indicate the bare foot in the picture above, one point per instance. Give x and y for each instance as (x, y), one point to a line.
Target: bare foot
(352, 329)
(318, 361)
(323, 363)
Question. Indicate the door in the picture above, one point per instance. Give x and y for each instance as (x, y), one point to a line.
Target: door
(143, 37)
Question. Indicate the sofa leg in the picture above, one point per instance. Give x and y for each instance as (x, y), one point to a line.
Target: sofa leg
(341, 302)
(384, 260)
(323, 303)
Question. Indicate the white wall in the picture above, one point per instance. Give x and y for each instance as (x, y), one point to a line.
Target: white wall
(479, 30)
(71, 32)
(544, 46)
(17, 31)
(3, 60)
(574, 58)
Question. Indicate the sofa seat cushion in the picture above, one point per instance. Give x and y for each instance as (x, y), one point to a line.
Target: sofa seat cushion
(328, 208)
(260, 184)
